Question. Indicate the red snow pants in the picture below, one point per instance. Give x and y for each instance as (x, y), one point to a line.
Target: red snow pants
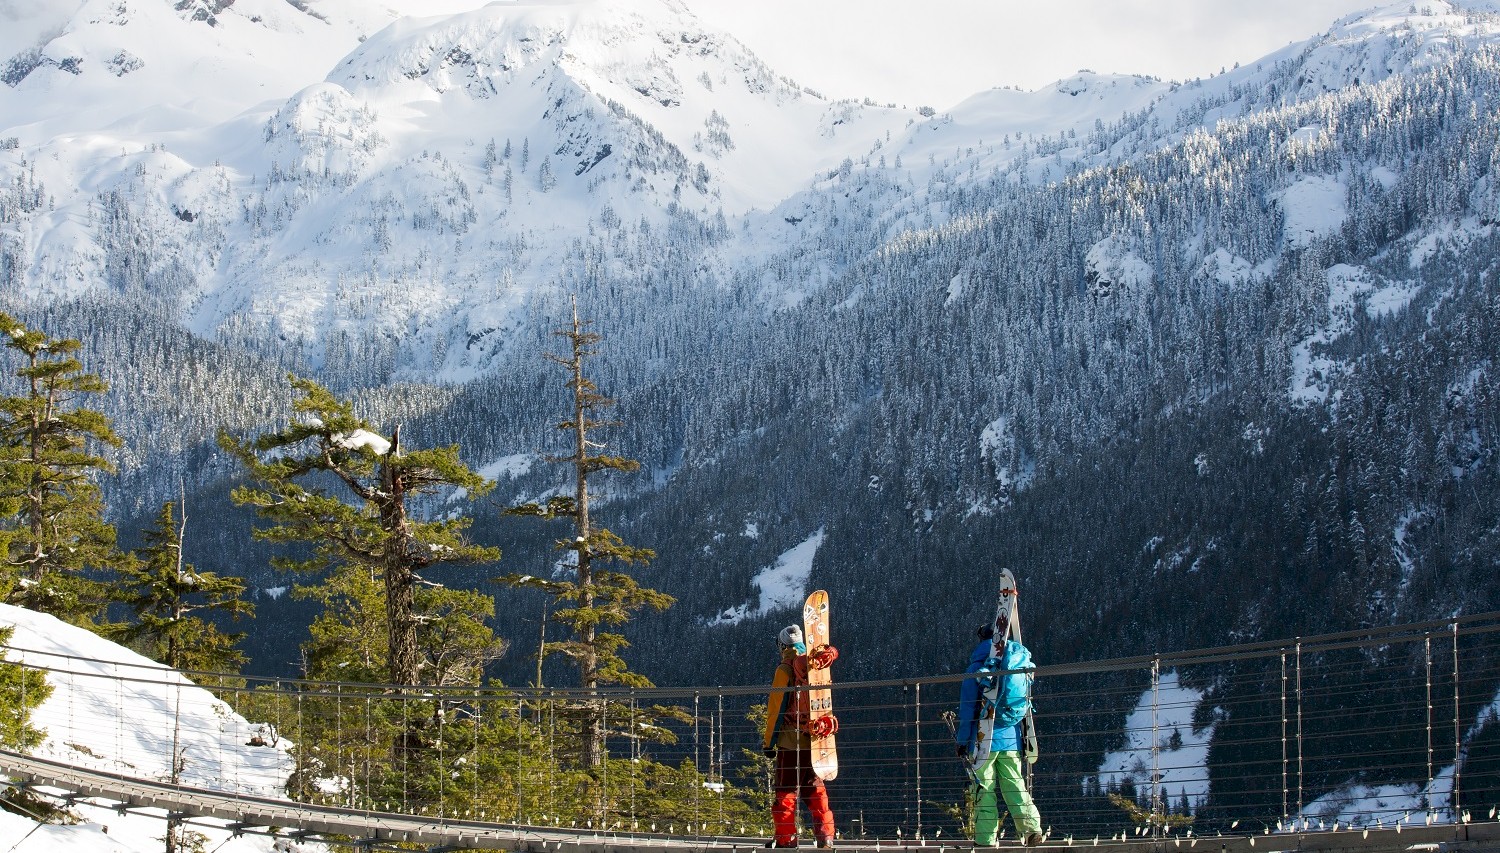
(794, 777)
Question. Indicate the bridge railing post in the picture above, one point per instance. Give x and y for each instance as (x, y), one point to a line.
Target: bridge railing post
(1458, 757)
(1300, 744)
(917, 748)
(1286, 810)
(1157, 820)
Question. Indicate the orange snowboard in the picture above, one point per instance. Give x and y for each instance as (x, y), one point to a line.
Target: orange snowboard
(821, 723)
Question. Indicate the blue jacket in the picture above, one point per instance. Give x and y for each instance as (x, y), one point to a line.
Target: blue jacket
(1012, 701)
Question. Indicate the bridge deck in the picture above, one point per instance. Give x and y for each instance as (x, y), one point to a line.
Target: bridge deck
(375, 829)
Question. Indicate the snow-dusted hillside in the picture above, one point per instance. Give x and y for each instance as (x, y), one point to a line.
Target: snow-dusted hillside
(111, 709)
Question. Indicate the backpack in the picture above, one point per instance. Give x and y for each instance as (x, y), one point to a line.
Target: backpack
(1009, 703)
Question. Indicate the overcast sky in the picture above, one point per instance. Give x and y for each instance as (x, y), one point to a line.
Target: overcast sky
(938, 52)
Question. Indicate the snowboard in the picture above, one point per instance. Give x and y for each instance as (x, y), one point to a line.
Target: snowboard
(1007, 613)
(822, 725)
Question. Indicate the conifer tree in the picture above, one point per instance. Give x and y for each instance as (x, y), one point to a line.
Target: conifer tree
(595, 597)
(545, 179)
(21, 690)
(330, 480)
(57, 531)
(349, 638)
(165, 594)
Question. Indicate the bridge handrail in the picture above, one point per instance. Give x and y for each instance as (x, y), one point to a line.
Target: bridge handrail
(1463, 625)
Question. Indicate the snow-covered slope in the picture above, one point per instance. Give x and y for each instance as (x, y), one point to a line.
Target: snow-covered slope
(1099, 121)
(163, 66)
(114, 710)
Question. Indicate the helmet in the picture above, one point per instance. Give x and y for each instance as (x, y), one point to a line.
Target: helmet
(790, 636)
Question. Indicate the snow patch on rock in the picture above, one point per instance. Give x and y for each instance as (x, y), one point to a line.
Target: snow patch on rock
(782, 585)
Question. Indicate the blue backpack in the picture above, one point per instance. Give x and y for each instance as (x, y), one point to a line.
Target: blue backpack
(1008, 704)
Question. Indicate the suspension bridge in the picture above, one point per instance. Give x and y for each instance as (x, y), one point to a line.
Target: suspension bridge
(1385, 739)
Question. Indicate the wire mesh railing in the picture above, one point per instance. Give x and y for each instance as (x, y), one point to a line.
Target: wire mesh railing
(1366, 729)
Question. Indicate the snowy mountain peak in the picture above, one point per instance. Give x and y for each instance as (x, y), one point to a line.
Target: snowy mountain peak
(340, 189)
(206, 11)
(1372, 46)
(638, 93)
(503, 39)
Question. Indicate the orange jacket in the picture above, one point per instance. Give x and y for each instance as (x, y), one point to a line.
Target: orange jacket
(786, 720)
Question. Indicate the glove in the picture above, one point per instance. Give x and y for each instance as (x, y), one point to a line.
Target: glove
(769, 752)
(960, 750)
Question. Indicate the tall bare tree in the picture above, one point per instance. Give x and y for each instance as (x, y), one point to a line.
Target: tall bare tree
(596, 597)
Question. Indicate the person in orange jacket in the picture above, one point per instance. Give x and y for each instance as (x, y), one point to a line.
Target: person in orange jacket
(787, 741)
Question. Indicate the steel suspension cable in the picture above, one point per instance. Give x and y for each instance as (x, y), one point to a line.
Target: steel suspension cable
(521, 755)
(477, 761)
(442, 719)
(405, 748)
(697, 764)
(369, 748)
(719, 757)
(303, 747)
(1427, 668)
(635, 759)
(552, 755)
(604, 775)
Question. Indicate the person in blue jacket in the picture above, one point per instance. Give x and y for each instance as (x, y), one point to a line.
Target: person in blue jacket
(995, 750)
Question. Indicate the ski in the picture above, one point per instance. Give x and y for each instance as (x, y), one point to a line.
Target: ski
(1007, 614)
(1010, 597)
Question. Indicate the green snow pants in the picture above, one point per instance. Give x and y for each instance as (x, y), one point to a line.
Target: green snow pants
(1002, 771)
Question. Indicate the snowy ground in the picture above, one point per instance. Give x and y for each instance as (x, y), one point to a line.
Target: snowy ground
(112, 709)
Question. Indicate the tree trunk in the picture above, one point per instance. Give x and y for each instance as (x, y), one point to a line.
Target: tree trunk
(588, 662)
(400, 579)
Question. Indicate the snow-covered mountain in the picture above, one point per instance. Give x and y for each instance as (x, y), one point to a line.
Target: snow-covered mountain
(111, 709)
(441, 173)
(421, 180)
(140, 68)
